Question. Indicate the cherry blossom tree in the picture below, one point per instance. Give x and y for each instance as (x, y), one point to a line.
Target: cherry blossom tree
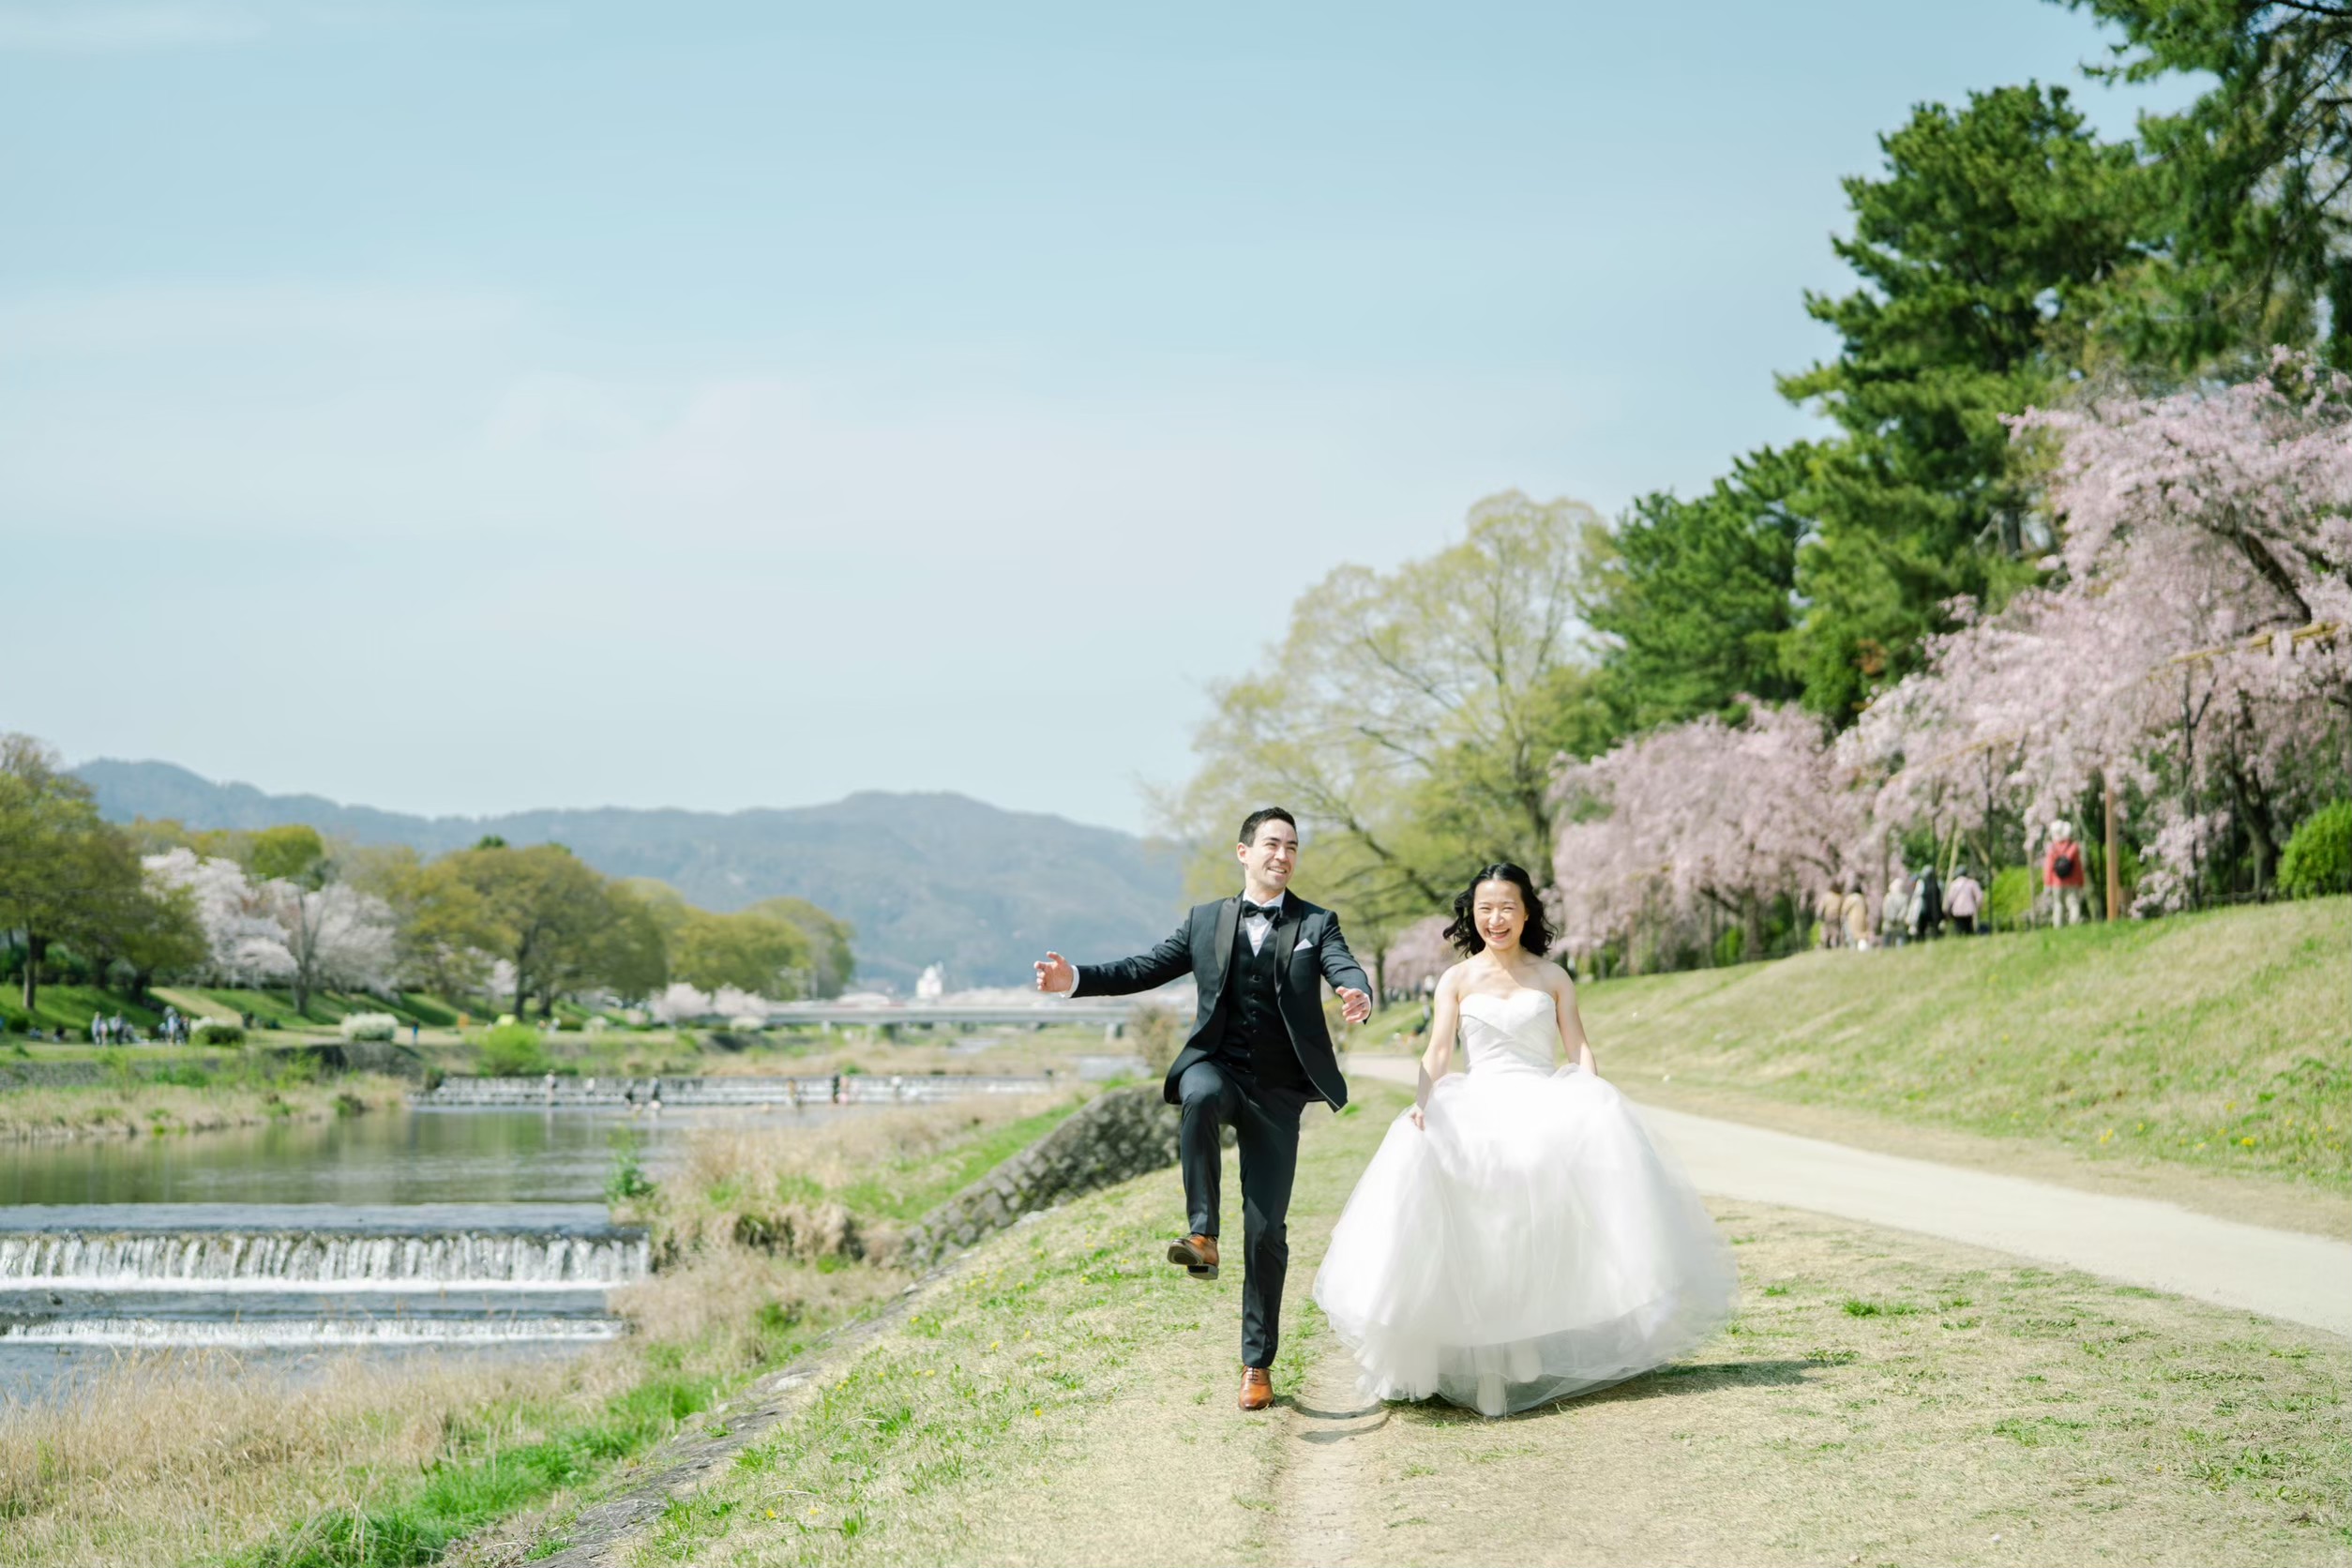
(2194, 644)
(245, 943)
(1417, 954)
(334, 937)
(1702, 823)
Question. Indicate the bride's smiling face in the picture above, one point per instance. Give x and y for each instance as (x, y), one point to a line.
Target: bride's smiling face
(1498, 911)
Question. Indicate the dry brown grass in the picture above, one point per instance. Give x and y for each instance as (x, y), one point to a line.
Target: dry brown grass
(842, 1189)
(153, 1110)
(172, 1456)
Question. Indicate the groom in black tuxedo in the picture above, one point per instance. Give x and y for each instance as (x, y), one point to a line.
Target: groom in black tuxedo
(1257, 1053)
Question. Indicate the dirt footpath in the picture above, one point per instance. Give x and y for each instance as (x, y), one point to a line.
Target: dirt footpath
(1065, 1398)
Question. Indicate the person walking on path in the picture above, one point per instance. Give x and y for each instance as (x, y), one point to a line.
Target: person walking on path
(1857, 918)
(1962, 900)
(1831, 906)
(1260, 1051)
(1927, 905)
(2062, 875)
(1894, 909)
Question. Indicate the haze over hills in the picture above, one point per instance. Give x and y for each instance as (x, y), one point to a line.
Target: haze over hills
(923, 877)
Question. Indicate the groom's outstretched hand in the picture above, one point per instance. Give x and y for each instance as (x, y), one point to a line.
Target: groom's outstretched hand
(1055, 974)
(1354, 1005)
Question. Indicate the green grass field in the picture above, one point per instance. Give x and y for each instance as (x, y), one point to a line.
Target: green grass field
(2220, 1041)
(70, 1008)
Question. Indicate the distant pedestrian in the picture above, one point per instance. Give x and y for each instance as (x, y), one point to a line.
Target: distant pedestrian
(1895, 911)
(1927, 905)
(2062, 876)
(1832, 909)
(1856, 911)
(1962, 900)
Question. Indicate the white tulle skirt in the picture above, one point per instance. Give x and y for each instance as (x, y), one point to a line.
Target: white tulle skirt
(1529, 1244)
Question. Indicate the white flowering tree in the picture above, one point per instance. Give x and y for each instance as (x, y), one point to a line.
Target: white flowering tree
(335, 937)
(245, 945)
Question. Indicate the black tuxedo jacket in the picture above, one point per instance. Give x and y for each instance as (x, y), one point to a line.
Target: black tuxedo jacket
(1309, 949)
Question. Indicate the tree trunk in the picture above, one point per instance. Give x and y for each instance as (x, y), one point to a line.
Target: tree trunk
(36, 947)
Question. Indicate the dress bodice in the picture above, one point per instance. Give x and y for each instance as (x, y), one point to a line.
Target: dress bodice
(1518, 1030)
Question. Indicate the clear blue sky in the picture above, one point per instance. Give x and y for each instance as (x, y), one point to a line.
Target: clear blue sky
(470, 407)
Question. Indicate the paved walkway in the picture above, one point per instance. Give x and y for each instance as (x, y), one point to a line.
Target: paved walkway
(2280, 1274)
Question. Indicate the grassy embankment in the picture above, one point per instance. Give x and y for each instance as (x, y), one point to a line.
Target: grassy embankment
(2215, 1045)
(173, 1459)
(190, 1099)
(68, 1009)
(1064, 1396)
(2219, 1042)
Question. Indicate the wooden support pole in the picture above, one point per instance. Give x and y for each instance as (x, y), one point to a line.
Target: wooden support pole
(2115, 871)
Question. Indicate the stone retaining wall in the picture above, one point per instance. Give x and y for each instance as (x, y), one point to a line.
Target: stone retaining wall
(1127, 1133)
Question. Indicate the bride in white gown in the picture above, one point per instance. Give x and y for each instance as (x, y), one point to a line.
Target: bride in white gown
(1517, 1239)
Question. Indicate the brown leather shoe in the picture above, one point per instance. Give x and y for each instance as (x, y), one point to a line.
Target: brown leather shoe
(1198, 1254)
(1256, 1388)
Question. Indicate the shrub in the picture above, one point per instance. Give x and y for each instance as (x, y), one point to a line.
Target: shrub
(2318, 859)
(2010, 900)
(747, 1024)
(215, 1032)
(512, 1051)
(368, 1026)
(567, 1026)
(597, 1025)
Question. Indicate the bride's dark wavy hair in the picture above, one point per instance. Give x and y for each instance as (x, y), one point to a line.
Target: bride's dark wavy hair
(1534, 937)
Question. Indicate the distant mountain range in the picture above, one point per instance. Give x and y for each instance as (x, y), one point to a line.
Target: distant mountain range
(925, 878)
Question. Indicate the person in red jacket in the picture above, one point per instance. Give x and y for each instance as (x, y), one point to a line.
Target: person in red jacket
(2062, 875)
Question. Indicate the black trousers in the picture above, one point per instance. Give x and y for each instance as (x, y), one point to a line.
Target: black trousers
(1266, 1122)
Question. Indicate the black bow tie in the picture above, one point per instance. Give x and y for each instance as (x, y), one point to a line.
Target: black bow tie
(1272, 912)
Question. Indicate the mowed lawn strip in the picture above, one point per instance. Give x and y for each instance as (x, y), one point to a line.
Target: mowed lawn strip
(2215, 1043)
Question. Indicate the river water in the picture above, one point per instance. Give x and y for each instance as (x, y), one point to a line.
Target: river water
(431, 1230)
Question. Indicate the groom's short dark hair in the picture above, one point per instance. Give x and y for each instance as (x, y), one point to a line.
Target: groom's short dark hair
(1260, 818)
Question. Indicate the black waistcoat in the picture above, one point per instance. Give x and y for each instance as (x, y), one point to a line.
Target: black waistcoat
(1255, 1034)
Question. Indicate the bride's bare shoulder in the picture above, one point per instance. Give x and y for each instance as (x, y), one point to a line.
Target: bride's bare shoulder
(1450, 980)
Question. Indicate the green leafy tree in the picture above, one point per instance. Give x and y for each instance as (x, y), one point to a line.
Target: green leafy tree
(1697, 598)
(748, 951)
(1411, 720)
(291, 852)
(557, 922)
(2254, 180)
(831, 958)
(65, 874)
(150, 930)
(1986, 251)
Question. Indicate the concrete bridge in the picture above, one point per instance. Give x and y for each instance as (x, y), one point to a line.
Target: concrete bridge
(1099, 1011)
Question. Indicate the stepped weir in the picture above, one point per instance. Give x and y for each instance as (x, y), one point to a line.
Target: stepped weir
(322, 1261)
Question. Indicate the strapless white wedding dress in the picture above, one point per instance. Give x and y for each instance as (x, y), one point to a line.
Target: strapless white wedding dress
(1529, 1244)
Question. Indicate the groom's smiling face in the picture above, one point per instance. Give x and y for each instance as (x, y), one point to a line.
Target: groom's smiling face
(1270, 855)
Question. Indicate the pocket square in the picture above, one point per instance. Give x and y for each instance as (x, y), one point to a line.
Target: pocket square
(1304, 943)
